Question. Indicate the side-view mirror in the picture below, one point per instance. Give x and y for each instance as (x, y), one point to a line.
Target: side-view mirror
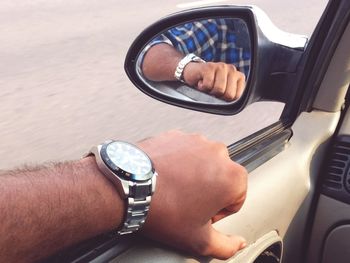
(214, 59)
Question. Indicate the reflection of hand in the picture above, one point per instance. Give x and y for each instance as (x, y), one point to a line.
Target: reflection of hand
(198, 184)
(220, 79)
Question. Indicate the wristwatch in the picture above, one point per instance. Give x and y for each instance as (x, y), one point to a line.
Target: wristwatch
(132, 173)
(183, 63)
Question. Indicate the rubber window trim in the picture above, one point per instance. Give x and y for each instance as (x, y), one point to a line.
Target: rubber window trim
(263, 151)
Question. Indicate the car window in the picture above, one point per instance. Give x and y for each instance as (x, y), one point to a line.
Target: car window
(63, 86)
(299, 17)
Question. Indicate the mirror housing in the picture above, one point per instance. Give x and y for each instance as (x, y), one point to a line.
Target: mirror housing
(275, 56)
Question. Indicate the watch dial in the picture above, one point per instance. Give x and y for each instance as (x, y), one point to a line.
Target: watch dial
(129, 158)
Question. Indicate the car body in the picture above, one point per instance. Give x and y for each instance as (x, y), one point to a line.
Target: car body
(298, 202)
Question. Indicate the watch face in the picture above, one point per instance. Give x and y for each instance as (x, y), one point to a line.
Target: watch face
(127, 160)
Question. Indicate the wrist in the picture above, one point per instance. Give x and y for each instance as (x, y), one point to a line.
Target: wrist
(191, 73)
(131, 172)
(179, 71)
(110, 205)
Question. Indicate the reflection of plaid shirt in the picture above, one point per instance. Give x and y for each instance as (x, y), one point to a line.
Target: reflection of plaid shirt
(225, 40)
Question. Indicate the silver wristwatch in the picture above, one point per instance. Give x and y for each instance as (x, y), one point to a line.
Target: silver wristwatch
(131, 172)
(183, 63)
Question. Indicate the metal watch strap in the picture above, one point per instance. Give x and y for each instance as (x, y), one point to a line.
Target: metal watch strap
(138, 203)
(136, 195)
(183, 63)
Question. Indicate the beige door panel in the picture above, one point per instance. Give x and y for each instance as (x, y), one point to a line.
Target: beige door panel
(326, 245)
(331, 212)
(331, 221)
(345, 126)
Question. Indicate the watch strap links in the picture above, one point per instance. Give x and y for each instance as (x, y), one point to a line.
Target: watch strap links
(183, 63)
(137, 204)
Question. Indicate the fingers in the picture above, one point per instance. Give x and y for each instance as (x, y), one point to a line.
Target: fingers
(235, 85)
(205, 167)
(240, 85)
(222, 71)
(220, 246)
(207, 78)
(214, 78)
(222, 80)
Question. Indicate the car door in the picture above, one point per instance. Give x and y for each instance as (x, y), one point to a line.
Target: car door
(293, 211)
(329, 226)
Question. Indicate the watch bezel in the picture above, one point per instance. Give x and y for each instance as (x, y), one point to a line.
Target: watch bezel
(119, 171)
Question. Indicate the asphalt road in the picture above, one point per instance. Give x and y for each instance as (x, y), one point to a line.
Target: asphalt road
(63, 86)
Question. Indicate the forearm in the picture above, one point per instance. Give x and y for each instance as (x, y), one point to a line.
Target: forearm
(160, 62)
(48, 208)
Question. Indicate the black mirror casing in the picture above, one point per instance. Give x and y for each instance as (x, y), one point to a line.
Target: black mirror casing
(272, 63)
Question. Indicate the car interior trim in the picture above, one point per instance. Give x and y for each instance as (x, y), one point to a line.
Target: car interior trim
(339, 66)
(316, 59)
(331, 205)
(330, 214)
(270, 240)
(255, 156)
(242, 145)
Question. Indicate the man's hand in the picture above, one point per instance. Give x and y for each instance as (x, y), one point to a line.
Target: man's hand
(198, 184)
(45, 209)
(220, 79)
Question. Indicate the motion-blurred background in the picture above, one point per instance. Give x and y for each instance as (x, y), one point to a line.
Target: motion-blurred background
(63, 86)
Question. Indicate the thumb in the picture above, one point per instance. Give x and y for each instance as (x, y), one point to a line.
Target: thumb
(224, 246)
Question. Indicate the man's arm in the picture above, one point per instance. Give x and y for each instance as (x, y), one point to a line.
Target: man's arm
(46, 209)
(220, 79)
(160, 62)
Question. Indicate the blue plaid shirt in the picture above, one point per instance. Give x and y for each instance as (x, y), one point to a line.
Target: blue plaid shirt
(215, 40)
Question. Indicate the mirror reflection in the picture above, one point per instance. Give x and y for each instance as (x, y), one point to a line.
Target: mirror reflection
(206, 61)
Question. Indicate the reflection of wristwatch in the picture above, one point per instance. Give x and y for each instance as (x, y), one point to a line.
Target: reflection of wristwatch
(183, 63)
(132, 173)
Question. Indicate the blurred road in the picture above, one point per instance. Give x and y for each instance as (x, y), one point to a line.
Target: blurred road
(63, 86)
